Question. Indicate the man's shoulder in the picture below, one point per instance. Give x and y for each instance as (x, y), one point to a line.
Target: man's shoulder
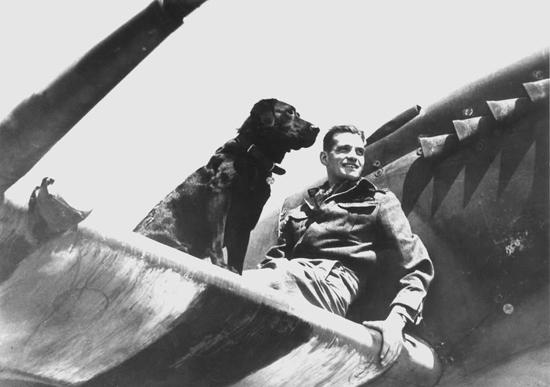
(384, 195)
(382, 191)
(373, 190)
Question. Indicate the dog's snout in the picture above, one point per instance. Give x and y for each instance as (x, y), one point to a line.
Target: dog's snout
(315, 129)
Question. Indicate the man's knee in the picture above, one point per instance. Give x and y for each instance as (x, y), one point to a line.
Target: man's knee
(265, 276)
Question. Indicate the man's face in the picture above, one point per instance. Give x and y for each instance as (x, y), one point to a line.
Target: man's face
(346, 158)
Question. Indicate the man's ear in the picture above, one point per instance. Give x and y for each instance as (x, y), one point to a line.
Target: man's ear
(323, 156)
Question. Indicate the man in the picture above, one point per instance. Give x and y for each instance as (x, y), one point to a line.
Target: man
(331, 245)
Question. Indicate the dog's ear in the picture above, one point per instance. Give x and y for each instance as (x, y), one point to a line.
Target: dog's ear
(264, 110)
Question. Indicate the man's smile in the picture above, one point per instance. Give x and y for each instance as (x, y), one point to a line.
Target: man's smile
(350, 165)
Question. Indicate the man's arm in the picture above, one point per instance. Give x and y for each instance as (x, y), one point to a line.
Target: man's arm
(410, 259)
(285, 243)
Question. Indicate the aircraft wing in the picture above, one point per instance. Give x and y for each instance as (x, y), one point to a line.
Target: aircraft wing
(104, 309)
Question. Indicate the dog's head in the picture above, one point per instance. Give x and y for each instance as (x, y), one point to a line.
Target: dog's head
(277, 128)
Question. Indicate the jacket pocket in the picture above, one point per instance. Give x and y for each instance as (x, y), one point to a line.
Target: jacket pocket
(363, 208)
(360, 216)
(298, 222)
(297, 215)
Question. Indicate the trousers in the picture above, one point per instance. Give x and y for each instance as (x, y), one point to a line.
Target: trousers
(324, 283)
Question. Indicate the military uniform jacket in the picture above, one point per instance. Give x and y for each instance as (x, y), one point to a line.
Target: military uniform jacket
(359, 225)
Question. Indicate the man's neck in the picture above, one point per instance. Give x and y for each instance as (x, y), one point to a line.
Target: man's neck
(340, 185)
(341, 182)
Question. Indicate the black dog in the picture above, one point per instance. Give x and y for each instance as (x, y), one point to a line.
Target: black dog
(219, 204)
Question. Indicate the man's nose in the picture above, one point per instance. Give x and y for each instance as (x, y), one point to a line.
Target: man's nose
(352, 157)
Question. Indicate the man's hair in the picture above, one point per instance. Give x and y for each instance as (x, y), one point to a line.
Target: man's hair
(328, 140)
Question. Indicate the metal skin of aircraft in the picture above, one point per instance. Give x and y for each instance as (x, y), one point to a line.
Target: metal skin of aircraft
(82, 307)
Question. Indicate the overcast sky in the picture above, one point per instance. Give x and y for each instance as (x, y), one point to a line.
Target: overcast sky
(348, 61)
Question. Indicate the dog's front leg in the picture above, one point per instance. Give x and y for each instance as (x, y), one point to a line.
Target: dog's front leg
(236, 240)
(217, 219)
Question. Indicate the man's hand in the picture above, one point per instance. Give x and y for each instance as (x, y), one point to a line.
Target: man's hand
(392, 336)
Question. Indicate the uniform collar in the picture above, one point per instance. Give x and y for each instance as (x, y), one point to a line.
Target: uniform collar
(362, 184)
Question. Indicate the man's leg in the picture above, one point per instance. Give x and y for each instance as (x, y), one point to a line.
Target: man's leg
(324, 283)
